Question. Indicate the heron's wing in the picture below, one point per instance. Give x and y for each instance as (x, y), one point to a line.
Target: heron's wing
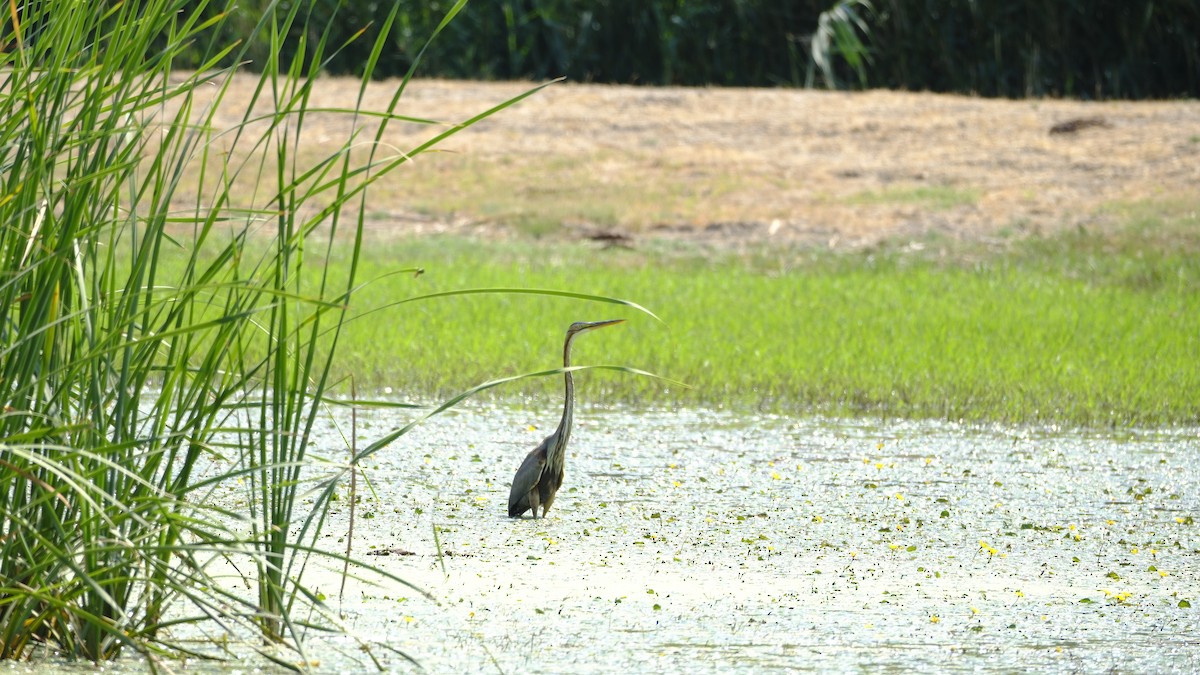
(527, 477)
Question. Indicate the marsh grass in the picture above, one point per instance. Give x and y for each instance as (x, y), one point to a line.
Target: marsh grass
(124, 384)
(165, 352)
(1044, 331)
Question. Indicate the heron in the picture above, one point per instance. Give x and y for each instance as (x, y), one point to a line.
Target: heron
(541, 474)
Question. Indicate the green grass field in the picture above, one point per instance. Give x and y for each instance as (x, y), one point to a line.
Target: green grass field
(1079, 329)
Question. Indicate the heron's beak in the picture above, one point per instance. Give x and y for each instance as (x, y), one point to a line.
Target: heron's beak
(601, 324)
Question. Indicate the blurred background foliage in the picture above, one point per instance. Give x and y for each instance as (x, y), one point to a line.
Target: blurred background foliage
(1013, 48)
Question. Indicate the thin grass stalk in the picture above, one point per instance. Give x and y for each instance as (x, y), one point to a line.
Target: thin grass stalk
(89, 329)
(152, 356)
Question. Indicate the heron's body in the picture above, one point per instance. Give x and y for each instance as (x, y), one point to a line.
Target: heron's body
(548, 478)
(541, 474)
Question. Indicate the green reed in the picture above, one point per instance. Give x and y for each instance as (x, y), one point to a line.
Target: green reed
(163, 366)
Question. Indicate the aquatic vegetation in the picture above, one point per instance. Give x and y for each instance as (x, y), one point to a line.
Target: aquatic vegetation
(808, 570)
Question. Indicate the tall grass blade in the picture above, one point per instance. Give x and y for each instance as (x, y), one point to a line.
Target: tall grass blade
(168, 324)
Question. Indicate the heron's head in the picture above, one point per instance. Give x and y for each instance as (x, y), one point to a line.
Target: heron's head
(584, 326)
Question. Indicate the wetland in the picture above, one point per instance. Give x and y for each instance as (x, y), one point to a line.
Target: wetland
(714, 541)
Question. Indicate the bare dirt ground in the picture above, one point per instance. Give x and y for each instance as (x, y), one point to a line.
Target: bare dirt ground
(829, 168)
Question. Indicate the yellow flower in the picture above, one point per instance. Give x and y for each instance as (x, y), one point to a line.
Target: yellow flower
(934, 619)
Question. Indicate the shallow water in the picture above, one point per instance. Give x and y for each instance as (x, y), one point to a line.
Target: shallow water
(715, 542)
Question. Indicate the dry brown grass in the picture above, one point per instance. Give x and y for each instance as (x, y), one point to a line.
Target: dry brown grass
(761, 164)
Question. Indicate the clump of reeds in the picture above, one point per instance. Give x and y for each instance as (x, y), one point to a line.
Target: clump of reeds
(155, 424)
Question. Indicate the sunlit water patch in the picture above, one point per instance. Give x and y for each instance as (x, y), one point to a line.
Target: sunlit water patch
(696, 541)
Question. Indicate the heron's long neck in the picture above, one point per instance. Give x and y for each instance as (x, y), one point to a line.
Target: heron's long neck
(564, 427)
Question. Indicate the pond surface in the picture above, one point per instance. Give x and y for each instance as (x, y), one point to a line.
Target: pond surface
(701, 541)
(686, 541)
